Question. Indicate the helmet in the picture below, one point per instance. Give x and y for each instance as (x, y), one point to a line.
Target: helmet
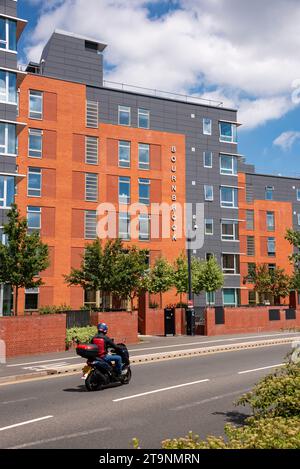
(102, 327)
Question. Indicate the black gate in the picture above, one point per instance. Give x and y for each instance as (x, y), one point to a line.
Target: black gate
(170, 321)
(78, 318)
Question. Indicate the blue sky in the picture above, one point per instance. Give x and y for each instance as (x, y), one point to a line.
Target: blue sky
(196, 46)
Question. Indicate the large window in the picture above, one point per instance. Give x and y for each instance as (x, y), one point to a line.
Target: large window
(144, 156)
(250, 220)
(34, 182)
(124, 190)
(31, 298)
(7, 191)
(144, 227)
(269, 193)
(209, 226)
(230, 297)
(34, 215)
(207, 126)
(91, 150)
(8, 34)
(270, 221)
(250, 246)
(229, 230)
(210, 298)
(230, 264)
(229, 197)
(228, 165)
(271, 247)
(207, 159)
(124, 115)
(208, 193)
(124, 154)
(91, 187)
(298, 195)
(228, 132)
(35, 143)
(35, 104)
(90, 224)
(124, 225)
(144, 191)
(8, 87)
(8, 139)
(143, 119)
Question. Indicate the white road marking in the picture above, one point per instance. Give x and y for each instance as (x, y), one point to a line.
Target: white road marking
(18, 400)
(42, 361)
(212, 342)
(210, 399)
(260, 369)
(63, 437)
(160, 390)
(26, 423)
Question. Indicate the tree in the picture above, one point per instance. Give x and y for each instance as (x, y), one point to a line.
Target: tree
(180, 275)
(293, 237)
(270, 281)
(23, 257)
(211, 276)
(281, 284)
(130, 274)
(161, 277)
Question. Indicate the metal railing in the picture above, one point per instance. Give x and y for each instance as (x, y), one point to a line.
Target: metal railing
(162, 94)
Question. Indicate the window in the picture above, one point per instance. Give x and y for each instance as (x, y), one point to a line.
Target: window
(31, 298)
(124, 154)
(251, 271)
(271, 247)
(90, 224)
(35, 104)
(144, 156)
(35, 143)
(207, 126)
(209, 226)
(250, 220)
(34, 182)
(144, 227)
(34, 218)
(207, 159)
(269, 193)
(124, 225)
(228, 165)
(271, 267)
(7, 191)
(8, 139)
(210, 298)
(92, 114)
(91, 150)
(270, 221)
(298, 218)
(229, 230)
(91, 46)
(228, 132)
(230, 297)
(230, 264)
(229, 197)
(298, 195)
(143, 119)
(124, 190)
(249, 193)
(124, 115)
(252, 297)
(250, 246)
(91, 187)
(8, 34)
(8, 87)
(208, 193)
(144, 191)
(208, 256)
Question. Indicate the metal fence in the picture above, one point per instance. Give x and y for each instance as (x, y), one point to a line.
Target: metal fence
(78, 318)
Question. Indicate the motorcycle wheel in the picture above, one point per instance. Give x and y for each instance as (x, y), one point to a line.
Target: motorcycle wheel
(92, 382)
(126, 379)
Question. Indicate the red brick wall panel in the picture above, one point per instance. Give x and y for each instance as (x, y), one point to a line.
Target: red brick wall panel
(48, 182)
(50, 106)
(48, 222)
(78, 148)
(49, 144)
(122, 326)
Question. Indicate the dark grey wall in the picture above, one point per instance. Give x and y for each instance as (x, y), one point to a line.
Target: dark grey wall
(67, 58)
(8, 7)
(175, 116)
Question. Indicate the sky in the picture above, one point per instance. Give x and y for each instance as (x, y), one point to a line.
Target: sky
(245, 54)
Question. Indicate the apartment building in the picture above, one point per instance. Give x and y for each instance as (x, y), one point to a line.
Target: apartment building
(84, 142)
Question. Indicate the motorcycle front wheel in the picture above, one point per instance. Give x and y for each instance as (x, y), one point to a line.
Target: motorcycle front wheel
(126, 378)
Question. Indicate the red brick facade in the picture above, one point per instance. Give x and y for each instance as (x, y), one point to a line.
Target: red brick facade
(122, 326)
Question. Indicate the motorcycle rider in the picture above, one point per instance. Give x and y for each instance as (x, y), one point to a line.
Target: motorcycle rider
(103, 342)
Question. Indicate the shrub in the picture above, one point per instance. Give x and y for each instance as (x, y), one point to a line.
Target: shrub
(153, 305)
(54, 309)
(80, 334)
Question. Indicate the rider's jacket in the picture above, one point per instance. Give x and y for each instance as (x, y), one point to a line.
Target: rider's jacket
(103, 342)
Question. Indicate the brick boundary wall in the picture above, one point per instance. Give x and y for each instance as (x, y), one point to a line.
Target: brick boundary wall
(29, 335)
(123, 325)
(155, 321)
(247, 320)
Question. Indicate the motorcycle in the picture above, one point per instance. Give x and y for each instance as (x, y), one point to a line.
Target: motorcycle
(98, 373)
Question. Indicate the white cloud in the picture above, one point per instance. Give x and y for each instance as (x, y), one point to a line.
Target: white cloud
(287, 139)
(247, 51)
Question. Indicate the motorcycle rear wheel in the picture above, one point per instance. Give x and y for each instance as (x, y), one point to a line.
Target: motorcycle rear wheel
(92, 382)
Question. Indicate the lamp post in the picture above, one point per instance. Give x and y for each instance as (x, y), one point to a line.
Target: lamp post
(190, 312)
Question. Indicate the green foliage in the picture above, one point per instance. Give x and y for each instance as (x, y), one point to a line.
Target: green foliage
(54, 309)
(160, 277)
(81, 334)
(23, 257)
(270, 281)
(180, 275)
(293, 237)
(207, 276)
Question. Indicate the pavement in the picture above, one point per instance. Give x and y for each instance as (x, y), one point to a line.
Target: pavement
(148, 349)
(164, 399)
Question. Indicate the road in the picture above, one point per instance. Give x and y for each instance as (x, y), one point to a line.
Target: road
(165, 399)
